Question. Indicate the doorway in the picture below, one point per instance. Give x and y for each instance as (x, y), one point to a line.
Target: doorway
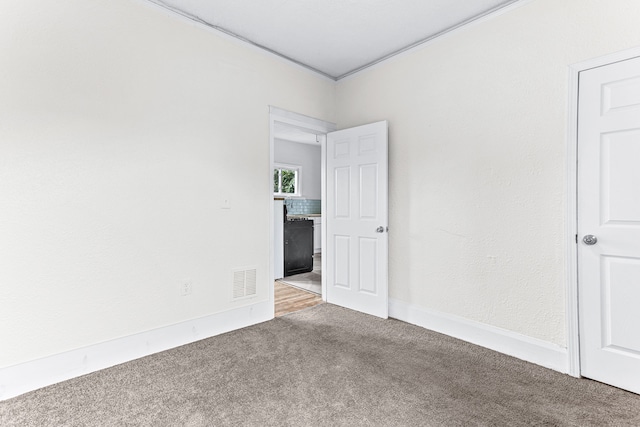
(354, 210)
(297, 145)
(605, 253)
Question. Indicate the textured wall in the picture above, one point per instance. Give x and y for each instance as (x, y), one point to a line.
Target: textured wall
(477, 159)
(121, 124)
(122, 129)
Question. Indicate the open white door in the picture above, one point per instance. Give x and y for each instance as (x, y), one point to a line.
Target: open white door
(609, 223)
(356, 219)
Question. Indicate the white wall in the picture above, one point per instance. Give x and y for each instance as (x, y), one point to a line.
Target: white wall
(121, 125)
(477, 159)
(306, 156)
(122, 129)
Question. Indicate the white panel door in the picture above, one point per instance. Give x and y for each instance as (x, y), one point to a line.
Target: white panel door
(609, 210)
(357, 218)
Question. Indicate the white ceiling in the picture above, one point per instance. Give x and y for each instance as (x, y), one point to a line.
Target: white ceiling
(334, 37)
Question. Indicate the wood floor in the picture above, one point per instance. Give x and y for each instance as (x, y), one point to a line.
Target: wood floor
(289, 299)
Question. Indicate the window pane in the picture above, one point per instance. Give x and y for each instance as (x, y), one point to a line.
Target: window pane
(288, 181)
(276, 184)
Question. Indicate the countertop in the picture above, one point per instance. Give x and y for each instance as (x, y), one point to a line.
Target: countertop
(304, 216)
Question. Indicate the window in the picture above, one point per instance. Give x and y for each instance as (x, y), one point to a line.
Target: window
(286, 180)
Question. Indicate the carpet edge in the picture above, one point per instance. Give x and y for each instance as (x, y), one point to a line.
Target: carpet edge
(32, 375)
(511, 343)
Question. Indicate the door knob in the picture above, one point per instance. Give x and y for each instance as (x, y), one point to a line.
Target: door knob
(380, 229)
(590, 239)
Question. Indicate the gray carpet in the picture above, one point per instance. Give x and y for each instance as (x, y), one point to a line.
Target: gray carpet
(325, 366)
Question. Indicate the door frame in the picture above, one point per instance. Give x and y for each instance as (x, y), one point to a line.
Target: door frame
(572, 315)
(312, 125)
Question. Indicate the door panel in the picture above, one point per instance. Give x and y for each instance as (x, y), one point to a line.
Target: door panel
(618, 288)
(620, 94)
(609, 208)
(342, 192)
(620, 178)
(357, 199)
(368, 265)
(341, 262)
(369, 192)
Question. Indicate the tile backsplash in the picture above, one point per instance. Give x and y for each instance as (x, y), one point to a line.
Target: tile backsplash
(302, 206)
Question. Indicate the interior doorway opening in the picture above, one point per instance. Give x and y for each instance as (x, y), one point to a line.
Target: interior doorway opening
(354, 210)
(297, 146)
(297, 191)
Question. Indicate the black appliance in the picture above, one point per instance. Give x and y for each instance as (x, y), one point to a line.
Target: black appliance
(298, 246)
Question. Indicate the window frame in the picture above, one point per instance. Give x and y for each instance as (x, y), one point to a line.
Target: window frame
(297, 169)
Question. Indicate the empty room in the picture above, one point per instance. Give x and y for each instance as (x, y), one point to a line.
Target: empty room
(331, 213)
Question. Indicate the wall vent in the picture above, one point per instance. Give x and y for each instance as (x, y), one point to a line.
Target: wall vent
(244, 283)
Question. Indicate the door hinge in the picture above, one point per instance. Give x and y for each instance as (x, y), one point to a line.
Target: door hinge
(576, 239)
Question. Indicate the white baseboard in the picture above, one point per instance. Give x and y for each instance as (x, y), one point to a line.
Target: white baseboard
(28, 376)
(514, 344)
(25, 377)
